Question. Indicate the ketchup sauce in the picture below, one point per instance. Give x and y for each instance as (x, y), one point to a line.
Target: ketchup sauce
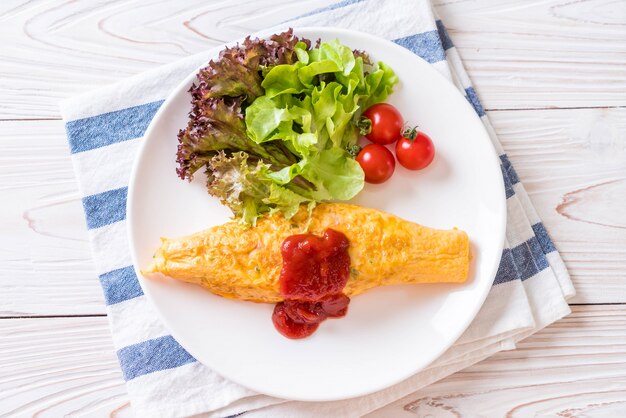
(315, 271)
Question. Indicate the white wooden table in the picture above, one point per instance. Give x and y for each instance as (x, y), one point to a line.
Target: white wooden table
(552, 75)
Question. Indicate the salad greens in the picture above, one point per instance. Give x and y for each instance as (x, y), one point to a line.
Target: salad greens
(274, 123)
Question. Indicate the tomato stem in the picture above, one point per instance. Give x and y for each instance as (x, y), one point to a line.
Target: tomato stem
(353, 150)
(365, 125)
(410, 133)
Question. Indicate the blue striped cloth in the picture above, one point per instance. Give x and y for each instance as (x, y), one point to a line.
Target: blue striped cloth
(104, 129)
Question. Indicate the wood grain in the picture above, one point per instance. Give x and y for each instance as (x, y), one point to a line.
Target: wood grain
(64, 367)
(520, 55)
(67, 367)
(552, 53)
(574, 368)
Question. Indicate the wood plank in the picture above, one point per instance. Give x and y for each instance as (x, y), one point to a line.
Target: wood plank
(572, 162)
(574, 368)
(529, 54)
(576, 365)
(519, 54)
(58, 368)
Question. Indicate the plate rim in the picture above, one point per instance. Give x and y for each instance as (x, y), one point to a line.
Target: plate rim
(337, 32)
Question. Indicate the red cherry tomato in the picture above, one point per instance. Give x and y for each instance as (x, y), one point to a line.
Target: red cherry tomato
(377, 162)
(415, 150)
(382, 124)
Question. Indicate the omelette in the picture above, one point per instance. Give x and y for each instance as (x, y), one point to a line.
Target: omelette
(242, 262)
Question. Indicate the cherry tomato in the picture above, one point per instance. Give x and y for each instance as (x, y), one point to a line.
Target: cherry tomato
(377, 162)
(415, 150)
(381, 124)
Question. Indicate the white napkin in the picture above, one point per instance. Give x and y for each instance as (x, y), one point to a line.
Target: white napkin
(104, 128)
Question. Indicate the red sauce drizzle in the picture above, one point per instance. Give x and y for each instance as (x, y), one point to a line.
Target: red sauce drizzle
(315, 271)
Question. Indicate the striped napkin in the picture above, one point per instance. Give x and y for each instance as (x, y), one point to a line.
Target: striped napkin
(104, 129)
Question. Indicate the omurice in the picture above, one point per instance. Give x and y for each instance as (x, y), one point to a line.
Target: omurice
(242, 262)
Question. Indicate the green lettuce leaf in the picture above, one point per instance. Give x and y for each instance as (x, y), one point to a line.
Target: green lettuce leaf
(283, 79)
(243, 185)
(378, 85)
(335, 173)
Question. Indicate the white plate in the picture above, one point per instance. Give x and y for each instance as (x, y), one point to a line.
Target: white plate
(389, 333)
